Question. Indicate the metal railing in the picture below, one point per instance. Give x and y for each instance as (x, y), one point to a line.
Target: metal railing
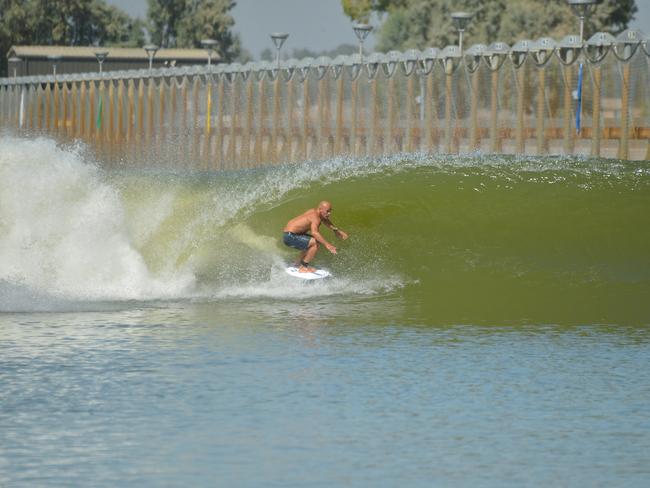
(536, 97)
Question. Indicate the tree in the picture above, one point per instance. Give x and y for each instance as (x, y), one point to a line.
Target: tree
(425, 23)
(66, 23)
(164, 17)
(184, 23)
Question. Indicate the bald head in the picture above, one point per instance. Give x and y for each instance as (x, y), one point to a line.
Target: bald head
(324, 209)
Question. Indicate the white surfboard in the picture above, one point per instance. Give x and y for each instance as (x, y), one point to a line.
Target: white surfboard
(316, 275)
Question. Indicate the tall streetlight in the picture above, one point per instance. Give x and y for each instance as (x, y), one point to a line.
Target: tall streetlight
(361, 31)
(151, 50)
(583, 9)
(209, 45)
(278, 39)
(14, 61)
(54, 59)
(101, 56)
(461, 20)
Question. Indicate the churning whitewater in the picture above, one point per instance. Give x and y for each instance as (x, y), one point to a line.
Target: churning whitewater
(74, 233)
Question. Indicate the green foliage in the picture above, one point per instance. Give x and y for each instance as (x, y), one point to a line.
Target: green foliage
(426, 23)
(65, 23)
(184, 23)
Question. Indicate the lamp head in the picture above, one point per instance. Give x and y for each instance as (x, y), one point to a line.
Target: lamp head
(461, 19)
(583, 8)
(362, 30)
(151, 49)
(208, 44)
(278, 39)
(101, 55)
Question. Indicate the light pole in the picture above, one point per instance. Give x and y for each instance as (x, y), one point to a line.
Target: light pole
(101, 56)
(208, 45)
(151, 50)
(54, 58)
(278, 39)
(583, 9)
(14, 61)
(361, 31)
(461, 20)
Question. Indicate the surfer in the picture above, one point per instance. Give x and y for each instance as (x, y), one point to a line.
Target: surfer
(302, 233)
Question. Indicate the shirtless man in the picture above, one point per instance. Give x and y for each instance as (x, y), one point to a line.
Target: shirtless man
(302, 233)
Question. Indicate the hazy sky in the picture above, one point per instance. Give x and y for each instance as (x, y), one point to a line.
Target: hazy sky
(312, 24)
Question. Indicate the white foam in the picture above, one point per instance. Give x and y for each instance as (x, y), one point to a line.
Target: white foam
(63, 230)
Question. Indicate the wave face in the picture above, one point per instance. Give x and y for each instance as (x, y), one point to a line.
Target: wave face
(455, 238)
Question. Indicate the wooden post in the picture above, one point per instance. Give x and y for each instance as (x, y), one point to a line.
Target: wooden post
(541, 98)
(150, 112)
(74, 111)
(495, 145)
(130, 116)
(410, 111)
(220, 151)
(64, 116)
(248, 131)
(327, 143)
(29, 122)
(568, 133)
(110, 126)
(119, 133)
(521, 96)
(261, 121)
(354, 122)
(321, 139)
(91, 110)
(595, 118)
(305, 119)
(39, 107)
(173, 110)
(338, 138)
(448, 121)
(429, 106)
(184, 130)
(234, 118)
(83, 110)
(207, 127)
(56, 95)
(48, 108)
(274, 152)
(140, 128)
(474, 143)
(160, 133)
(291, 121)
(625, 113)
(390, 138)
(375, 146)
(196, 133)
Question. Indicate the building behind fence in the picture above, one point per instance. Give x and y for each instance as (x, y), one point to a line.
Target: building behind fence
(534, 98)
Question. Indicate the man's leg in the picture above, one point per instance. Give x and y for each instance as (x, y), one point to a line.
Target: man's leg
(310, 253)
(300, 259)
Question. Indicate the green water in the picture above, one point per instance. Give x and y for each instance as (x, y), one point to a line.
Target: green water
(461, 240)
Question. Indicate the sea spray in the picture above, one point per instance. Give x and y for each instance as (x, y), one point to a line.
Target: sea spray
(63, 229)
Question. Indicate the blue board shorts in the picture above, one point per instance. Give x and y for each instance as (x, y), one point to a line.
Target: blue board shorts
(297, 241)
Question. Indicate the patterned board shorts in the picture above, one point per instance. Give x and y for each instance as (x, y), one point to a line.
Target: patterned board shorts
(297, 241)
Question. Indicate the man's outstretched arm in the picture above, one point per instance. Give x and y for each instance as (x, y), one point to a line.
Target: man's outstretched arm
(341, 234)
